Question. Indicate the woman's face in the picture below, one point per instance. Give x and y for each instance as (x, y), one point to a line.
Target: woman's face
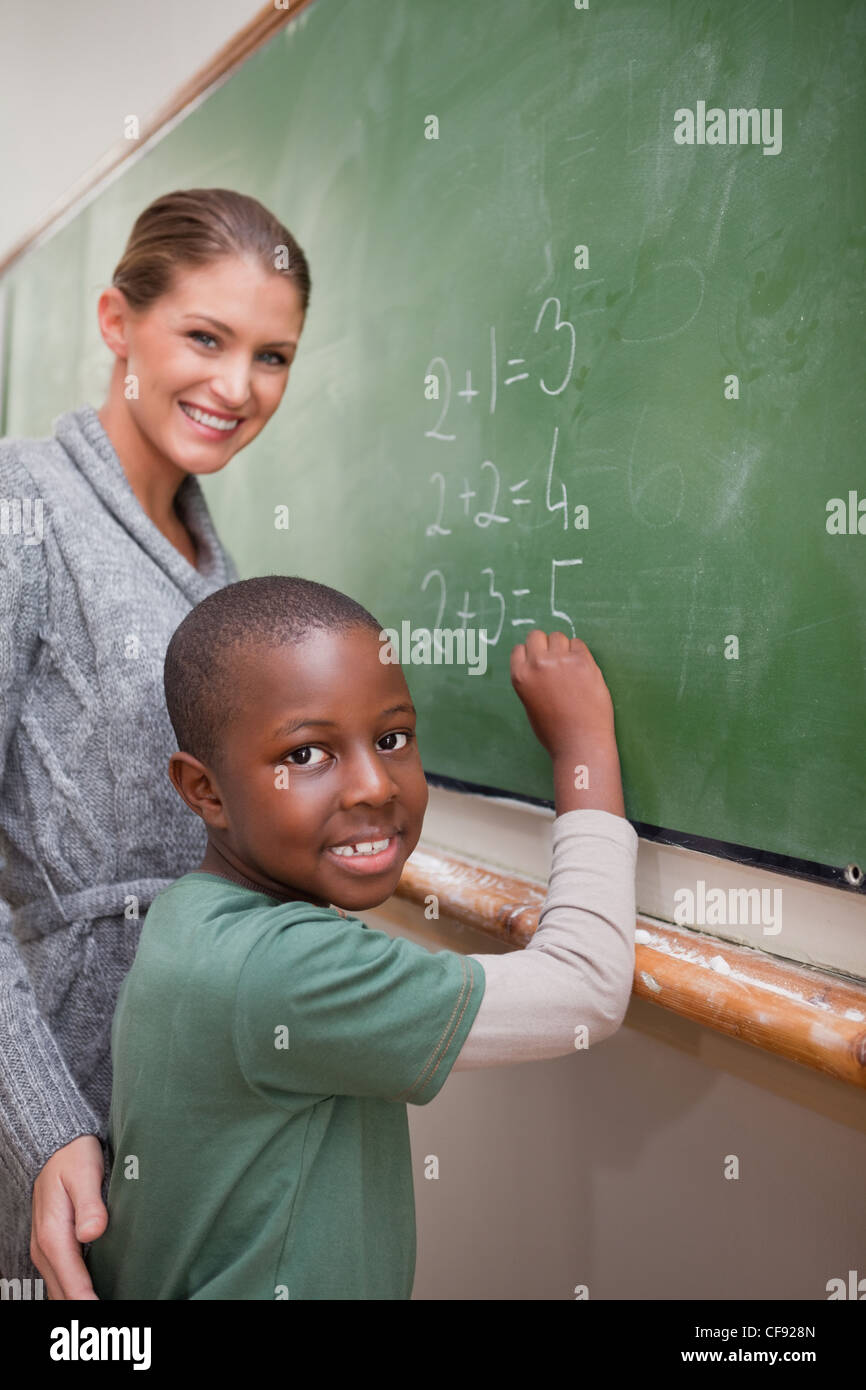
(220, 342)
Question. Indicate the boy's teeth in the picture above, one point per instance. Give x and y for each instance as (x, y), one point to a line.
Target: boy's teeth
(213, 420)
(363, 847)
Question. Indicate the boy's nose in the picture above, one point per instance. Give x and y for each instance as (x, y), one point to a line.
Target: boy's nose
(366, 778)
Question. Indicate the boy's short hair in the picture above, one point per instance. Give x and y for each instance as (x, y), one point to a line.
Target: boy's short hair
(205, 677)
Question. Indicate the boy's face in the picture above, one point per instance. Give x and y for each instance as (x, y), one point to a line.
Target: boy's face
(349, 770)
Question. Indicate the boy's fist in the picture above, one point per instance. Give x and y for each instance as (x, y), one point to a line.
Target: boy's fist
(563, 691)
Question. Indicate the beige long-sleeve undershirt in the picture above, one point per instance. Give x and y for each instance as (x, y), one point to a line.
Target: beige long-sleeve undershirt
(570, 986)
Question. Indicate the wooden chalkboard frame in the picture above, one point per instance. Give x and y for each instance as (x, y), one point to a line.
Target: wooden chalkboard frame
(771, 1003)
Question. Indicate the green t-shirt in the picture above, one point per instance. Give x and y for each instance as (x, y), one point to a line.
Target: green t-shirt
(263, 1056)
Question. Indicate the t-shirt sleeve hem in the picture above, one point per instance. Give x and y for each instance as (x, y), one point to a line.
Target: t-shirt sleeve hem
(437, 1068)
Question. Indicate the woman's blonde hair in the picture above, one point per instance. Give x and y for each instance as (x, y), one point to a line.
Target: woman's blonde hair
(194, 226)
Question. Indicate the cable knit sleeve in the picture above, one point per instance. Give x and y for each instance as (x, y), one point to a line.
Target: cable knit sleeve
(40, 1106)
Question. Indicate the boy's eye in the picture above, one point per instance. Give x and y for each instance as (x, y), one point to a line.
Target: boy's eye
(396, 747)
(305, 755)
(306, 761)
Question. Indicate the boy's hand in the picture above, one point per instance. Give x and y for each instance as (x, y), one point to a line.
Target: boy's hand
(571, 713)
(562, 689)
(67, 1210)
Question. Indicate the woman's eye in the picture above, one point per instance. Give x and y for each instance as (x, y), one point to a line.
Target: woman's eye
(394, 748)
(306, 761)
(278, 360)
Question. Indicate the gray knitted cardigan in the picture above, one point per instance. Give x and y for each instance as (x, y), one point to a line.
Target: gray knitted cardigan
(91, 828)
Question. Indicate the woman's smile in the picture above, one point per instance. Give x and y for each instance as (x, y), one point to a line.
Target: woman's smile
(211, 424)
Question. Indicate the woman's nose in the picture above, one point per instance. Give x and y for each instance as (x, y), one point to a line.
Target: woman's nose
(232, 386)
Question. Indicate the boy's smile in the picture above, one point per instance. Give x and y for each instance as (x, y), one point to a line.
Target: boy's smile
(317, 791)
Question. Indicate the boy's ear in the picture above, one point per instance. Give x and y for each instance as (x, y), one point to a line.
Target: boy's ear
(195, 783)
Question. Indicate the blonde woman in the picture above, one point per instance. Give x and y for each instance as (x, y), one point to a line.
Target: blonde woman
(113, 546)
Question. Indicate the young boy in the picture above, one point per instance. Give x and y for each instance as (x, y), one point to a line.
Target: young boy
(266, 1042)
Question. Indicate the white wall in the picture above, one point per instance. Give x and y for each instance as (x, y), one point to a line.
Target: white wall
(73, 69)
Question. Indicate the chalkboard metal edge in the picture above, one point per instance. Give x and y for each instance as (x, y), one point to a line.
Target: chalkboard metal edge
(828, 874)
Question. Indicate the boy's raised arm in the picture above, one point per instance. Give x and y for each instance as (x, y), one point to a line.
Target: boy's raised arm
(571, 986)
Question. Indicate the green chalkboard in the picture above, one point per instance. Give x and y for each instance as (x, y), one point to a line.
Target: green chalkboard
(643, 311)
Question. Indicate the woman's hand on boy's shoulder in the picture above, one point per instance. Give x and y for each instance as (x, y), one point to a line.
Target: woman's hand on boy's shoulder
(68, 1210)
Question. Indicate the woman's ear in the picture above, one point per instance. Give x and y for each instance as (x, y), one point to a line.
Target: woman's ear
(196, 784)
(112, 312)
